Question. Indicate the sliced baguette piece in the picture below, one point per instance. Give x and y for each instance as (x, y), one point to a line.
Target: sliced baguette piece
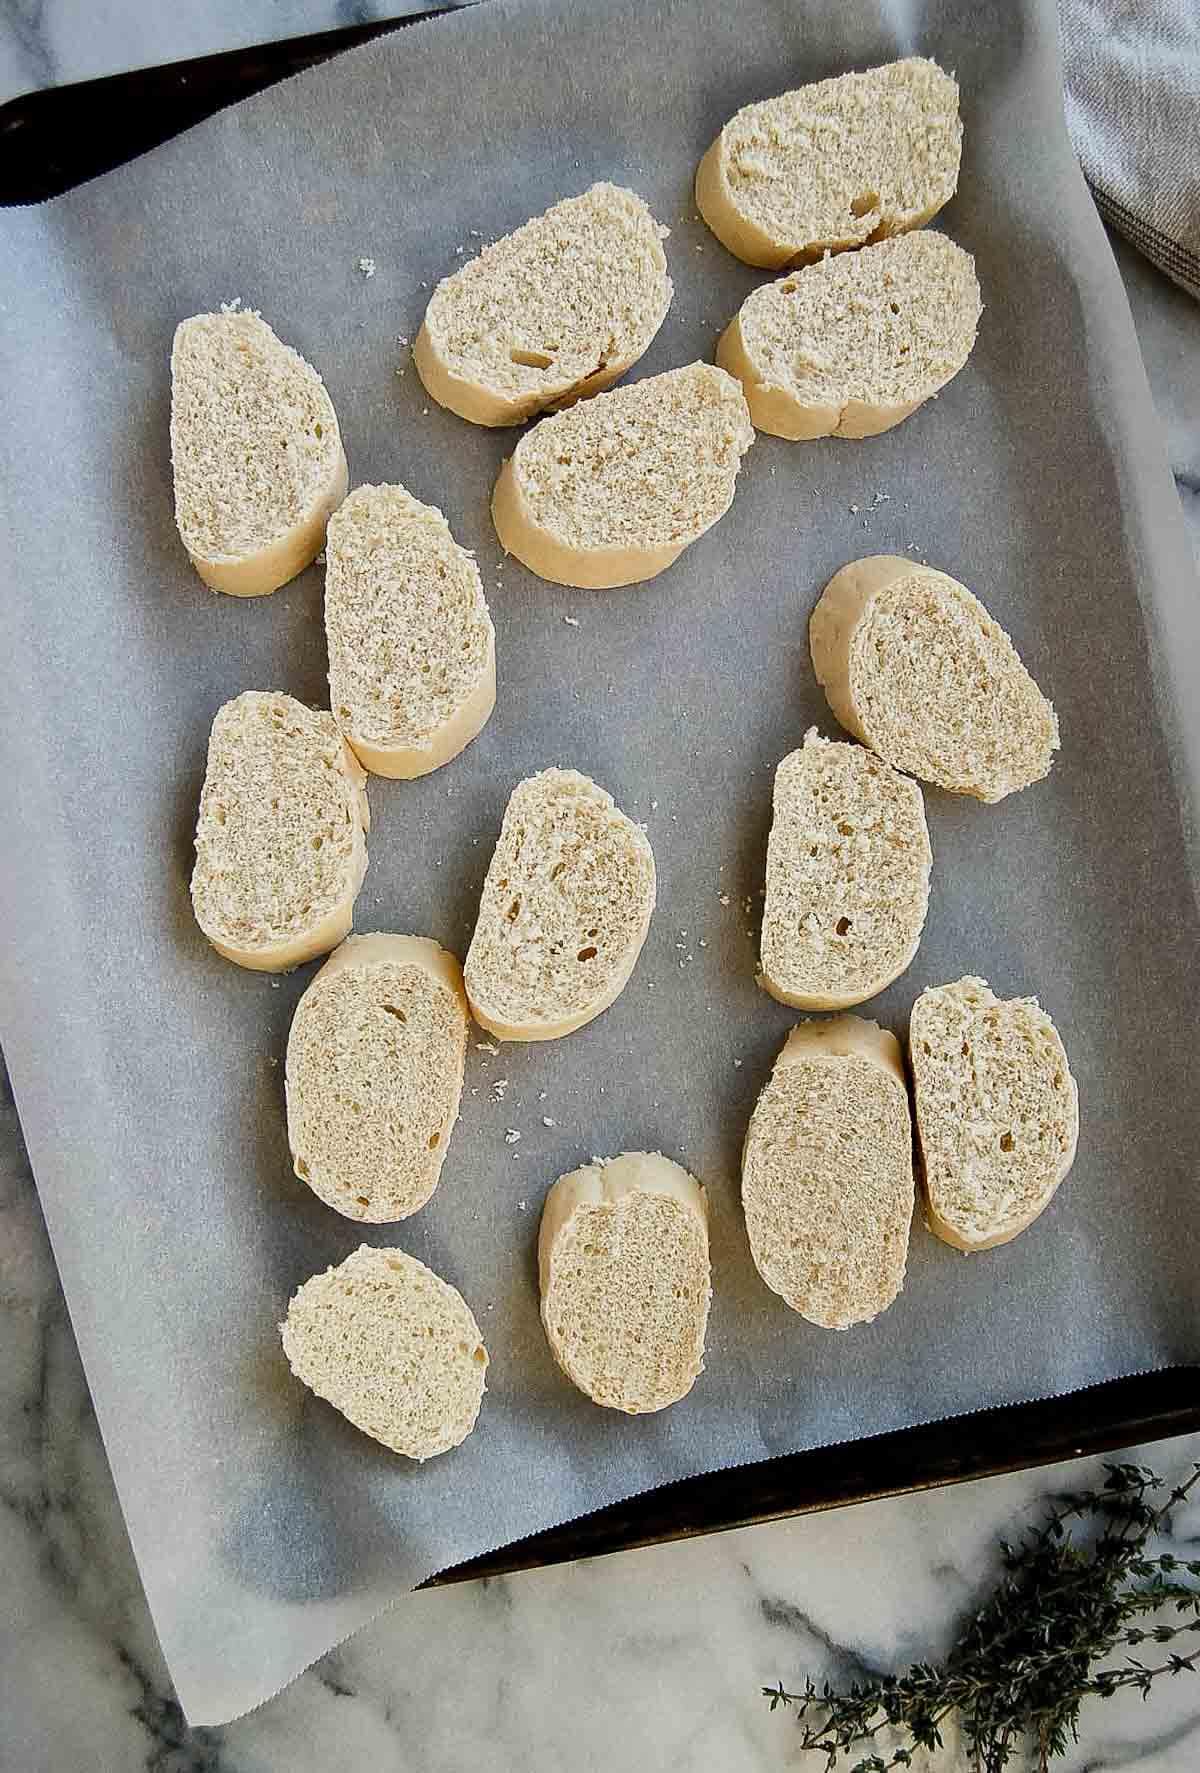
(257, 453)
(851, 346)
(997, 1111)
(624, 1273)
(913, 665)
(564, 911)
(612, 492)
(827, 1173)
(412, 649)
(555, 311)
(833, 165)
(281, 838)
(392, 1346)
(848, 863)
(374, 1075)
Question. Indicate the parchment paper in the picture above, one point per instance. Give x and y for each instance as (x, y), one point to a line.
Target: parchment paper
(148, 1072)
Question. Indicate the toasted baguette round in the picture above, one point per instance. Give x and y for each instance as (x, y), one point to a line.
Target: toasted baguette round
(412, 649)
(623, 1267)
(833, 165)
(557, 310)
(392, 1346)
(848, 863)
(374, 1075)
(913, 665)
(257, 453)
(564, 911)
(997, 1111)
(613, 491)
(280, 842)
(827, 1174)
(851, 346)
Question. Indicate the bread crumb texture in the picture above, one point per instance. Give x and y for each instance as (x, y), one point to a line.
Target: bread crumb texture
(849, 160)
(997, 1109)
(410, 637)
(848, 864)
(374, 1076)
(280, 837)
(626, 1304)
(392, 1346)
(565, 906)
(254, 438)
(886, 327)
(570, 295)
(649, 465)
(940, 691)
(827, 1187)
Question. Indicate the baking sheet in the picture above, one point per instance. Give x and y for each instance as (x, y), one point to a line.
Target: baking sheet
(149, 1073)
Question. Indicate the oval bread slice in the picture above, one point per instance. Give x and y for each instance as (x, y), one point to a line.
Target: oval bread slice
(280, 842)
(412, 649)
(559, 309)
(564, 911)
(256, 450)
(623, 1266)
(374, 1075)
(392, 1346)
(851, 346)
(913, 665)
(848, 863)
(827, 1174)
(832, 165)
(613, 491)
(997, 1111)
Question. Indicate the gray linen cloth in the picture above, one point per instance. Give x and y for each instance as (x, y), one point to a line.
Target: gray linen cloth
(1133, 110)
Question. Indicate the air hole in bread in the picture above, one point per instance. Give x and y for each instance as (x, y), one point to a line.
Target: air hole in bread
(847, 830)
(514, 911)
(363, 1200)
(302, 1169)
(1006, 1141)
(864, 203)
(842, 926)
(530, 359)
(587, 954)
(435, 1140)
(390, 1009)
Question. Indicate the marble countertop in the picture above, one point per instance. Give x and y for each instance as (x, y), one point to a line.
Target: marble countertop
(651, 1659)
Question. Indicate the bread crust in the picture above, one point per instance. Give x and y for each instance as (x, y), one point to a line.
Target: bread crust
(827, 1042)
(944, 1228)
(777, 411)
(605, 1184)
(330, 930)
(374, 950)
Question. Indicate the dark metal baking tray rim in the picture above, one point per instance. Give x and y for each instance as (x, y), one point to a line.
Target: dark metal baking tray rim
(1138, 1408)
(56, 139)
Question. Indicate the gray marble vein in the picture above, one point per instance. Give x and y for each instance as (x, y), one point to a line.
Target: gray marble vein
(653, 1659)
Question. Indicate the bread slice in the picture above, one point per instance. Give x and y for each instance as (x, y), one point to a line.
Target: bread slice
(564, 911)
(374, 1075)
(559, 309)
(848, 863)
(392, 1346)
(827, 1173)
(613, 491)
(412, 650)
(997, 1111)
(257, 453)
(281, 839)
(836, 164)
(851, 346)
(623, 1266)
(915, 667)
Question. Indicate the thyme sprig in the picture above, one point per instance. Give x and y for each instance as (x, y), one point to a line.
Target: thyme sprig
(1025, 1663)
